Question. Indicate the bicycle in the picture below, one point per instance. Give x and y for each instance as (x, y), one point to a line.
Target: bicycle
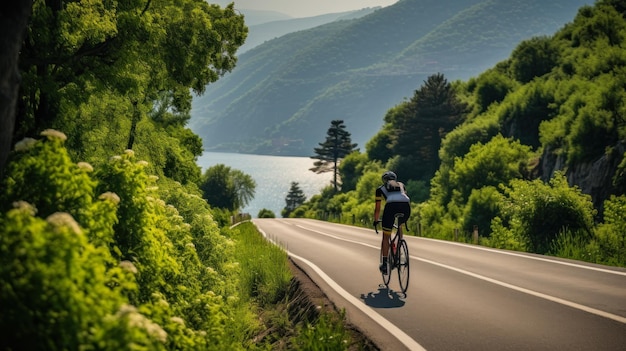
(398, 256)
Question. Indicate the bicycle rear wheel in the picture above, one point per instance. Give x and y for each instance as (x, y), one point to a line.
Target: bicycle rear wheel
(403, 266)
(389, 259)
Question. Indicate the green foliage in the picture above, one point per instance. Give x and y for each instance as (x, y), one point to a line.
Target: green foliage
(418, 190)
(538, 212)
(491, 87)
(116, 271)
(97, 71)
(335, 148)
(263, 268)
(295, 197)
(379, 147)
(419, 126)
(533, 58)
(328, 334)
(265, 213)
(504, 238)
(227, 188)
(611, 234)
(482, 207)
(492, 164)
(350, 169)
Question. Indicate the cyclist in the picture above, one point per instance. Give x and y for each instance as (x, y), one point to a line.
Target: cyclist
(396, 201)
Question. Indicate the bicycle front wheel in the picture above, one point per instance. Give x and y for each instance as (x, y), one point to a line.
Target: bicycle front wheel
(403, 266)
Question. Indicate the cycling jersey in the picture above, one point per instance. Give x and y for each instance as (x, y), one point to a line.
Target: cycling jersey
(392, 193)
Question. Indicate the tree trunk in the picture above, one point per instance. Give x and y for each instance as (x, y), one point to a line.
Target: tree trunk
(133, 127)
(14, 16)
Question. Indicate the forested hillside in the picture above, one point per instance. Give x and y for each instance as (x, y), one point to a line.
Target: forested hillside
(530, 154)
(284, 93)
(268, 30)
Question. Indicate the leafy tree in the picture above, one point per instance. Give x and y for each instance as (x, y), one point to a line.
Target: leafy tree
(330, 153)
(351, 169)
(227, 188)
(492, 87)
(98, 69)
(295, 197)
(533, 58)
(494, 163)
(433, 111)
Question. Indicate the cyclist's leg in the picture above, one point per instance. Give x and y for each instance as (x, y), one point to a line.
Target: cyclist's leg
(387, 225)
(405, 209)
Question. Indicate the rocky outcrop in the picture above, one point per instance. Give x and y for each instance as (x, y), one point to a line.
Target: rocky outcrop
(594, 178)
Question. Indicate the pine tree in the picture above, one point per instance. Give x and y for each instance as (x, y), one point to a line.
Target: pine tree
(295, 198)
(433, 111)
(337, 146)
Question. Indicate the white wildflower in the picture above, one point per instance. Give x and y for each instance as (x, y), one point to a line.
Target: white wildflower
(64, 219)
(54, 134)
(143, 163)
(191, 245)
(110, 196)
(152, 176)
(85, 166)
(178, 320)
(116, 158)
(25, 206)
(25, 144)
(136, 319)
(128, 266)
(129, 152)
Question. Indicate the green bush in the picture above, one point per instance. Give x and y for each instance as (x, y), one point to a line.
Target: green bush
(265, 213)
(539, 212)
(117, 271)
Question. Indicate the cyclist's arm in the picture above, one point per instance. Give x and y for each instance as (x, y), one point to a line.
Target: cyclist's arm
(379, 198)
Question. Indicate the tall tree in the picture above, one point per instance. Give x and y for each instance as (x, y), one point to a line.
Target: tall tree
(338, 145)
(432, 112)
(13, 21)
(295, 197)
(131, 50)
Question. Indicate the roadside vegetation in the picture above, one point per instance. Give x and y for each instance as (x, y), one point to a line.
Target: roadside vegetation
(113, 258)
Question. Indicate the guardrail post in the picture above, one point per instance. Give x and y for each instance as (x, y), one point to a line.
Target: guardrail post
(475, 235)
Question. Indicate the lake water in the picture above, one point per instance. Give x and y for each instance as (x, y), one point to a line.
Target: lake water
(273, 176)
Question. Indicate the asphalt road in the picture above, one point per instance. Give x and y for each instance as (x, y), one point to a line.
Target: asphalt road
(460, 297)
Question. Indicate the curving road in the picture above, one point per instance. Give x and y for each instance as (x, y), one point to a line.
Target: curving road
(460, 297)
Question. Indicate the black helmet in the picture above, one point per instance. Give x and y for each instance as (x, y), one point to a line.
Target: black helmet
(389, 175)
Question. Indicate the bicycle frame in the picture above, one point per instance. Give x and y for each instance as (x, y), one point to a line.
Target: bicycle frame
(398, 256)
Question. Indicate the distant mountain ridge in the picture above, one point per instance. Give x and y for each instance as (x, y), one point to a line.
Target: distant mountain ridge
(283, 94)
(267, 30)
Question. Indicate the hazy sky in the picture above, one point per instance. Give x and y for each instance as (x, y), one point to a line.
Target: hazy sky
(305, 8)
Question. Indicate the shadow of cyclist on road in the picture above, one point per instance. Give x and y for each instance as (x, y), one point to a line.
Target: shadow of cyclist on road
(384, 298)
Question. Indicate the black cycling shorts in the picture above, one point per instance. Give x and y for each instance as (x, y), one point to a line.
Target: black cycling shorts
(391, 208)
